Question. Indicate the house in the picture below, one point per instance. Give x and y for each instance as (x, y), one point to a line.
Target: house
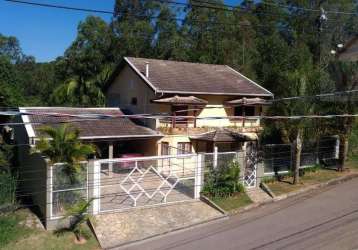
(349, 52)
(114, 136)
(204, 106)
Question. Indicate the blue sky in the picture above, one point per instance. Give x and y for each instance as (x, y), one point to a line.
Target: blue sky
(45, 32)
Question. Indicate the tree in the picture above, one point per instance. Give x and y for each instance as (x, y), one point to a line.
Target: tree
(133, 28)
(62, 145)
(346, 78)
(86, 64)
(78, 215)
(10, 47)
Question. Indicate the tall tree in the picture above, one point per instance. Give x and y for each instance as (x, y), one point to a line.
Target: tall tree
(86, 64)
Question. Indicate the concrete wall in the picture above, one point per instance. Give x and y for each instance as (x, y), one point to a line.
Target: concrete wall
(32, 172)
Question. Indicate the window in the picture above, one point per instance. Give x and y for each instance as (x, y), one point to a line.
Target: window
(184, 148)
(134, 101)
(164, 148)
(249, 111)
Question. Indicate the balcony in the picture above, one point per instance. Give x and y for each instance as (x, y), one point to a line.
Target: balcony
(196, 126)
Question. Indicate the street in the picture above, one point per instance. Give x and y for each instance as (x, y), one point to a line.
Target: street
(324, 219)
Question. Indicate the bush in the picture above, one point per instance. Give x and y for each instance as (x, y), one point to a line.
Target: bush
(8, 189)
(312, 169)
(268, 179)
(353, 142)
(223, 181)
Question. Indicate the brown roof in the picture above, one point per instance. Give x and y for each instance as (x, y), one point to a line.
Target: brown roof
(193, 78)
(350, 50)
(249, 101)
(224, 135)
(182, 100)
(89, 129)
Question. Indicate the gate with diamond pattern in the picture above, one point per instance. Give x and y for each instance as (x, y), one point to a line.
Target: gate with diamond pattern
(251, 159)
(122, 184)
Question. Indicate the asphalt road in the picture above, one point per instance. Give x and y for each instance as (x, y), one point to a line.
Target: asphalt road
(325, 219)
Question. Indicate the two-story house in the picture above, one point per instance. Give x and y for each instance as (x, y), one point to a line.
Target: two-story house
(202, 106)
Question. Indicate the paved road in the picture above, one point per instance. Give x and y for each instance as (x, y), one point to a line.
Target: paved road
(326, 219)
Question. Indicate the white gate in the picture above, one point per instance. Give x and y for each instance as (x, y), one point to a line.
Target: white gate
(126, 183)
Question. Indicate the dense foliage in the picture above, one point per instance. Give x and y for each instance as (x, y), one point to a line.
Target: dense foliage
(223, 181)
(279, 44)
(285, 49)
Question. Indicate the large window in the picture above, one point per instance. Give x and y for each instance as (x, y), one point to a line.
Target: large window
(249, 111)
(184, 148)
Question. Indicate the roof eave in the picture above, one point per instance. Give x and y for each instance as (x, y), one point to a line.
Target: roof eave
(212, 93)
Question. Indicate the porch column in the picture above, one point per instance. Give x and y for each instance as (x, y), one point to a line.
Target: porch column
(110, 156)
(94, 177)
(215, 158)
(199, 175)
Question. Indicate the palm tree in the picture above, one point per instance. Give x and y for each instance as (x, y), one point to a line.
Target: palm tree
(62, 145)
(88, 91)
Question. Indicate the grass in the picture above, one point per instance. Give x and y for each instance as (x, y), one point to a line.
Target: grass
(10, 230)
(15, 236)
(232, 202)
(310, 178)
(352, 162)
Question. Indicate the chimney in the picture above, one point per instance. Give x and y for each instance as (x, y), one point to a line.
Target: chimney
(147, 69)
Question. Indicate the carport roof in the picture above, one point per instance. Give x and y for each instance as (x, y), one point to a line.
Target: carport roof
(90, 128)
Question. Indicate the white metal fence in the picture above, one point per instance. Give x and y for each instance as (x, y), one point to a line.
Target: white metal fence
(125, 183)
(67, 186)
(146, 181)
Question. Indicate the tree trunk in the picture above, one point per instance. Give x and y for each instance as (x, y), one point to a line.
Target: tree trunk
(343, 151)
(297, 156)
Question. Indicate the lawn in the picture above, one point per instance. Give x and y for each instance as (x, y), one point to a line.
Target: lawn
(232, 202)
(310, 178)
(19, 237)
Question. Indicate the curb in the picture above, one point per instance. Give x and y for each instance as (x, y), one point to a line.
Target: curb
(295, 193)
(317, 186)
(209, 202)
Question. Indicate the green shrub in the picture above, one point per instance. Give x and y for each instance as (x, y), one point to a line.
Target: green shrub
(312, 169)
(268, 179)
(8, 189)
(353, 142)
(223, 181)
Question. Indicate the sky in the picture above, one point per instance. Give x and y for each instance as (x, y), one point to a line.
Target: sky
(45, 33)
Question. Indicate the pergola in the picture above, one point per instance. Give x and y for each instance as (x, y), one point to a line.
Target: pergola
(177, 101)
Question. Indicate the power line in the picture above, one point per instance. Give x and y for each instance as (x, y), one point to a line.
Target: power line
(66, 7)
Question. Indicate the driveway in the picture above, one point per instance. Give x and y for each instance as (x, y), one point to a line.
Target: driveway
(325, 219)
(115, 229)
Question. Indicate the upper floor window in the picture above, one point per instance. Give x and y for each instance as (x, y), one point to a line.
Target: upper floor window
(184, 148)
(249, 111)
(134, 101)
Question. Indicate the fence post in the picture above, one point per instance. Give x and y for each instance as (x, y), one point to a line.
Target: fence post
(336, 155)
(49, 198)
(215, 160)
(199, 176)
(94, 177)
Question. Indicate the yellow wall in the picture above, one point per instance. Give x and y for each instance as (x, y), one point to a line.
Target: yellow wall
(128, 85)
